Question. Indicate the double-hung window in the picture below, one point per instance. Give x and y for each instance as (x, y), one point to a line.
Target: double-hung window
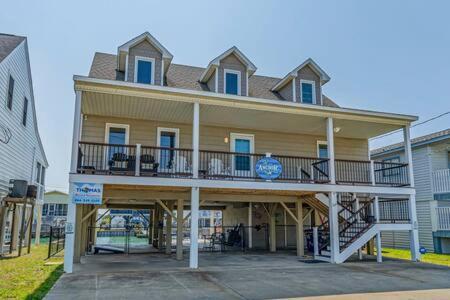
(308, 91)
(232, 82)
(144, 70)
(9, 102)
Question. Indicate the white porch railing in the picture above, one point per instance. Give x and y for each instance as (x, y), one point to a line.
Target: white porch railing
(441, 181)
(443, 218)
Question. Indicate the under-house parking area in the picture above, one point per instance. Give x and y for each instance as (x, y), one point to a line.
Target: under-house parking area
(247, 276)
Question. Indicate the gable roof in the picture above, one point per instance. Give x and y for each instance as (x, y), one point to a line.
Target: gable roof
(55, 192)
(216, 61)
(186, 77)
(324, 78)
(8, 43)
(416, 142)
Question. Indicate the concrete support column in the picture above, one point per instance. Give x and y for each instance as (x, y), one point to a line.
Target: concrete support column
(37, 238)
(334, 227)
(250, 225)
(193, 254)
(71, 209)
(299, 228)
(180, 229)
(70, 234)
(169, 228)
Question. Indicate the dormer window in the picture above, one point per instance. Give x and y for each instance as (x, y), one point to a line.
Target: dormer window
(308, 91)
(144, 70)
(232, 82)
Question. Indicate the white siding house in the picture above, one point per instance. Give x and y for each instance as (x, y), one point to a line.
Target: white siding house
(432, 182)
(20, 156)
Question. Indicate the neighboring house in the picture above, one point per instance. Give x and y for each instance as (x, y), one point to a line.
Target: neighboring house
(431, 162)
(266, 151)
(22, 155)
(54, 211)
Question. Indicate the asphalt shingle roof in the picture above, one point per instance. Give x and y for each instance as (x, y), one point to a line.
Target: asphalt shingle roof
(417, 140)
(104, 66)
(8, 43)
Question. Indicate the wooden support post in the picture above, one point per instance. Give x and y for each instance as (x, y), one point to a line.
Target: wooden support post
(273, 235)
(14, 229)
(22, 228)
(180, 229)
(37, 236)
(77, 233)
(3, 217)
(250, 225)
(169, 228)
(299, 227)
(160, 228)
(30, 228)
(155, 226)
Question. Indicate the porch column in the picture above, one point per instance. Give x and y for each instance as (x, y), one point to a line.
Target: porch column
(250, 225)
(193, 254)
(3, 217)
(71, 208)
(180, 229)
(299, 227)
(334, 227)
(273, 229)
(37, 235)
(69, 231)
(195, 139)
(378, 236)
(330, 144)
(169, 228)
(414, 233)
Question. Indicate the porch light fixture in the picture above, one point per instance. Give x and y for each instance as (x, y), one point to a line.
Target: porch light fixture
(337, 129)
(225, 140)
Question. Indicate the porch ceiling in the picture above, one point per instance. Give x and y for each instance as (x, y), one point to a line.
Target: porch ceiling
(227, 116)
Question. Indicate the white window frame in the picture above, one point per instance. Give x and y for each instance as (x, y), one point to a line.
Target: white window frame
(321, 143)
(166, 129)
(238, 73)
(143, 58)
(115, 125)
(313, 83)
(158, 144)
(243, 136)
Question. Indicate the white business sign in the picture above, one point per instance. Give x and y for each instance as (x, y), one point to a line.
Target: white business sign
(87, 193)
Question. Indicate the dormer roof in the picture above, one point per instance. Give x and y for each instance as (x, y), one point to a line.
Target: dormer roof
(324, 78)
(123, 50)
(216, 61)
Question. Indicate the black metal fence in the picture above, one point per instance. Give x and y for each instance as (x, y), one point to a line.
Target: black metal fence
(391, 174)
(394, 210)
(160, 161)
(56, 241)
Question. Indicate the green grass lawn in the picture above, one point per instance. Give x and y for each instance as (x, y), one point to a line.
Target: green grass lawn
(438, 259)
(29, 276)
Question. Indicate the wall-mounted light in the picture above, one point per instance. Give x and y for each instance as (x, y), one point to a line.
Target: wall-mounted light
(337, 129)
(85, 117)
(225, 140)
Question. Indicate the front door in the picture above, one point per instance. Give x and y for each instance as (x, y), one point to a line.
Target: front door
(242, 164)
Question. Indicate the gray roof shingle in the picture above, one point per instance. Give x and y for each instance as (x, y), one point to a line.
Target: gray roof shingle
(104, 66)
(8, 43)
(415, 141)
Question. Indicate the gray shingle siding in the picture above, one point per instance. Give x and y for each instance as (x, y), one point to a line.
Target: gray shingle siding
(306, 73)
(231, 62)
(144, 49)
(286, 92)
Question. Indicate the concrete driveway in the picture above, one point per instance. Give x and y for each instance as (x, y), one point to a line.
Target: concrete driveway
(242, 276)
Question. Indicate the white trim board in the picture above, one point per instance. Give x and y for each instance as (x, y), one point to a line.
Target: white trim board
(239, 82)
(115, 125)
(142, 58)
(313, 84)
(166, 129)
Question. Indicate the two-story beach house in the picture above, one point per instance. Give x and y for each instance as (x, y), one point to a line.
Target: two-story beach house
(152, 134)
(431, 162)
(22, 155)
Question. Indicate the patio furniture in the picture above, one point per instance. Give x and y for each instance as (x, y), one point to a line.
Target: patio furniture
(149, 164)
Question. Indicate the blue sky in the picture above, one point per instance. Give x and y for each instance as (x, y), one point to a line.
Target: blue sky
(381, 55)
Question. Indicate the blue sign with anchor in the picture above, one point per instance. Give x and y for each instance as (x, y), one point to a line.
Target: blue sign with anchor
(268, 168)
